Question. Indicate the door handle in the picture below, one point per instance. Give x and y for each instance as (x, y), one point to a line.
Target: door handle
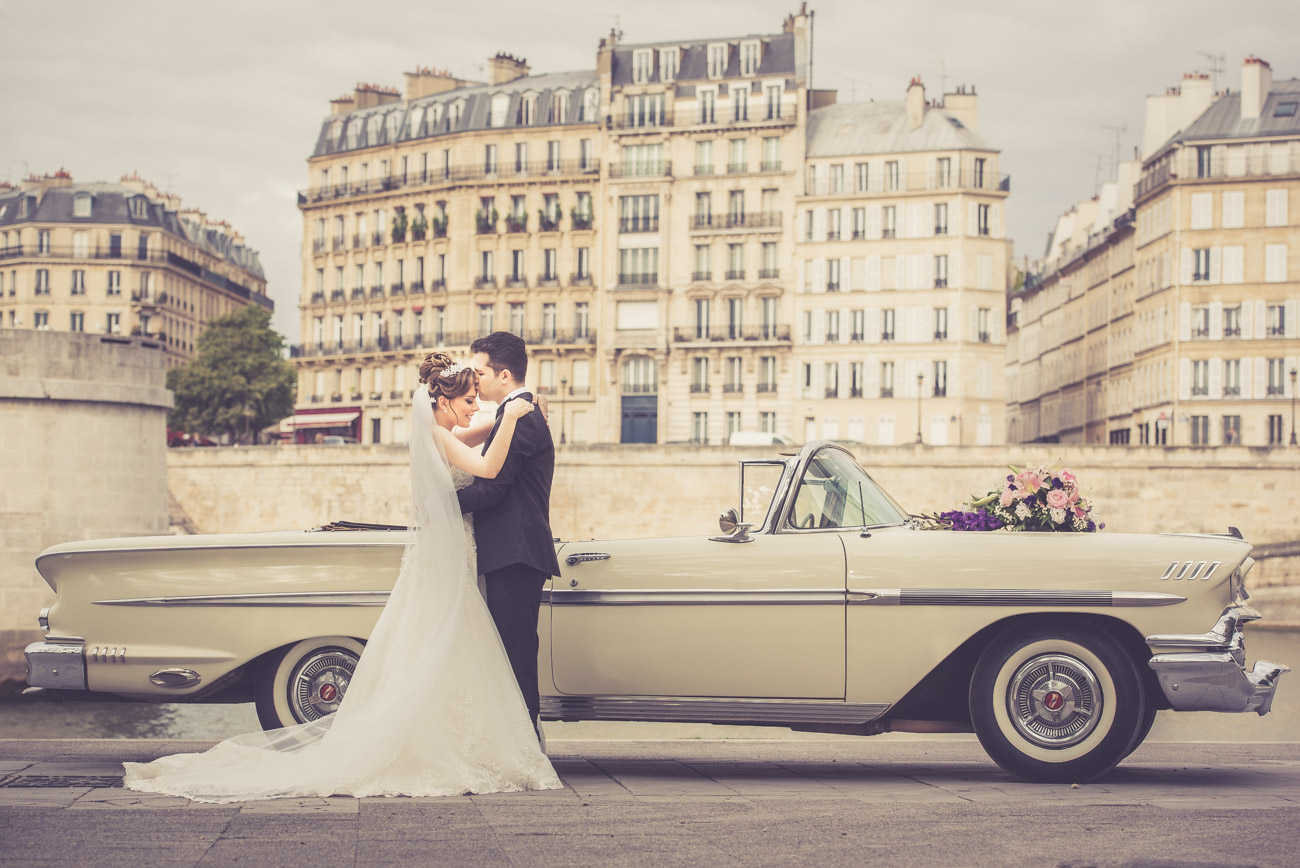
(573, 560)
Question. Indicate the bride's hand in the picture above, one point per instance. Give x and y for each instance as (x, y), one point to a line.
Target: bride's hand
(516, 408)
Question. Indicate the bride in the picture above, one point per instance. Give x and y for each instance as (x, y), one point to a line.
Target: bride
(433, 708)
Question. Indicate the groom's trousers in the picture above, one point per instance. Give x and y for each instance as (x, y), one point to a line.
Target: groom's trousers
(514, 597)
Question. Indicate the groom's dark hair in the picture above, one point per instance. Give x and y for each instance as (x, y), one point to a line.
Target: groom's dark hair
(505, 352)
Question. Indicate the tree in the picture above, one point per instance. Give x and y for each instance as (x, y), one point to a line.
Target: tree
(238, 383)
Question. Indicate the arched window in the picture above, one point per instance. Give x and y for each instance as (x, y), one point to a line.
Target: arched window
(640, 376)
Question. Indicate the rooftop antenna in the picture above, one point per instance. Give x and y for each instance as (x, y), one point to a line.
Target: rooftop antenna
(853, 86)
(1118, 131)
(1216, 62)
(617, 29)
(943, 78)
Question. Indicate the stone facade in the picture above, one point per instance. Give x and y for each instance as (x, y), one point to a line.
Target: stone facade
(82, 452)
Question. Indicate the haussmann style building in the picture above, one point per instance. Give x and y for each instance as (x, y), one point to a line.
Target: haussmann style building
(119, 259)
(1165, 310)
(644, 227)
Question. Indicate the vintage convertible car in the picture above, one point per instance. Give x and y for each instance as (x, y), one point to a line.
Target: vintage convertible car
(828, 611)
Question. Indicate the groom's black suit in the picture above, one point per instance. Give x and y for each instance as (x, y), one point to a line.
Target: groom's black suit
(516, 552)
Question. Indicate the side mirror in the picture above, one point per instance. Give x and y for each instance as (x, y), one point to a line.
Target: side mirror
(733, 530)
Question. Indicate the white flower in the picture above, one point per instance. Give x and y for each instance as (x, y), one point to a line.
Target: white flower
(1022, 511)
(452, 371)
(1080, 524)
(1058, 515)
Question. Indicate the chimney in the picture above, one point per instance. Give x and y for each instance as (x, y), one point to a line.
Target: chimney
(1256, 82)
(961, 105)
(368, 95)
(915, 103)
(426, 82)
(343, 104)
(506, 68)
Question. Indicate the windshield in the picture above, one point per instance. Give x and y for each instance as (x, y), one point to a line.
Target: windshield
(836, 492)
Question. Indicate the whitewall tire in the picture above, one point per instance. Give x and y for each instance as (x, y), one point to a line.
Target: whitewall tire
(305, 681)
(1057, 702)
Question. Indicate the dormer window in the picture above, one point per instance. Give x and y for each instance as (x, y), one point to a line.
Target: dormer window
(751, 54)
(138, 206)
(81, 204)
(670, 61)
(717, 60)
(435, 116)
(417, 118)
(393, 124)
(643, 64)
(590, 105)
(500, 104)
(457, 111)
(527, 113)
(373, 125)
(560, 107)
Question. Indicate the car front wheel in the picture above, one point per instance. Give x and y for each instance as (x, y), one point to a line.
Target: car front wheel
(306, 681)
(1056, 702)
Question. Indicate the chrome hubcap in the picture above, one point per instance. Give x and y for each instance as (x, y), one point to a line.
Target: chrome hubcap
(319, 683)
(1054, 700)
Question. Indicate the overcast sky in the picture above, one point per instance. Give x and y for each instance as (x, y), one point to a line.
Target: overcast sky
(221, 102)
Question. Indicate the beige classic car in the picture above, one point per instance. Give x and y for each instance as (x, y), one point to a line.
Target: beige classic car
(820, 607)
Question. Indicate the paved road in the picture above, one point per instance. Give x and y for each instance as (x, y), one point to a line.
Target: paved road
(753, 802)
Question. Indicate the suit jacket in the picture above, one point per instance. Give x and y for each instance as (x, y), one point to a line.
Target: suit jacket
(512, 513)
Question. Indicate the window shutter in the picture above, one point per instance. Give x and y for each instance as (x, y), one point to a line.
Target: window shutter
(1247, 326)
(916, 221)
(1216, 320)
(846, 273)
(954, 217)
(1184, 379)
(1214, 264)
(873, 222)
(973, 313)
(819, 327)
(799, 267)
(819, 275)
(1233, 262)
(873, 274)
(873, 325)
(857, 271)
(1247, 378)
(929, 174)
(972, 217)
(1291, 313)
(1275, 208)
(956, 277)
(1216, 378)
(902, 174)
(900, 272)
(995, 221)
(819, 224)
(871, 379)
(1185, 272)
(1261, 377)
(1185, 321)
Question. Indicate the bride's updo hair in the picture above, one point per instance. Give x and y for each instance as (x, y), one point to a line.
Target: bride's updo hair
(439, 370)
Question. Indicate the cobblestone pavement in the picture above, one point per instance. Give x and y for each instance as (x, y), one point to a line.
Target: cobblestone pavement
(750, 802)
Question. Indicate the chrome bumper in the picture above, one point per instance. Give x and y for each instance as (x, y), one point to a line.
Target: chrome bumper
(1206, 671)
(56, 664)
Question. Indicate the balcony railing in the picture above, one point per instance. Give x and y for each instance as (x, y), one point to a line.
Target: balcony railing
(454, 175)
(638, 279)
(337, 243)
(376, 292)
(886, 391)
(701, 276)
(358, 293)
(1188, 166)
(649, 122)
(690, 334)
(737, 168)
(832, 392)
(516, 282)
(769, 273)
(704, 169)
(736, 274)
(638, 224)
(554, 337)
(485, 283)
(318, 298)
(969, 179)
(770, 166)
(438, 284)
(766, 388)
(639, 169)
(739, 220)
(733, 388)
(699, 388)
(579, 280)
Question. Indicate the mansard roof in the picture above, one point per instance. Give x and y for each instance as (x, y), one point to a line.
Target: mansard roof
(777, 59)
(847, 129)
(1222, 120)
(112, 204)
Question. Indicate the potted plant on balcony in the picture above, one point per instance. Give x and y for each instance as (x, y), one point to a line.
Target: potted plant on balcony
(487, 222)
(440, 226)
(419, 226)
(516, 222)
(399, 225)
(547, 222)
(581, 219)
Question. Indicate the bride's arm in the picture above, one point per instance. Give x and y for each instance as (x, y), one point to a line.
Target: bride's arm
(476, 433)
(489, 465)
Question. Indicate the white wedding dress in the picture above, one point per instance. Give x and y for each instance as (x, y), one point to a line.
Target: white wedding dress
(433, 708)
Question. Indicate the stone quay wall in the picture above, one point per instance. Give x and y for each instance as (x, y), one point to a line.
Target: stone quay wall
(82, 455)
(642, 491)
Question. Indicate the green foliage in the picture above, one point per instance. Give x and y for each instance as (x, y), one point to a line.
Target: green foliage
(239, 382)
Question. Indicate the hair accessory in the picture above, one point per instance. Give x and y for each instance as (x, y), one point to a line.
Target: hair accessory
(452, 370)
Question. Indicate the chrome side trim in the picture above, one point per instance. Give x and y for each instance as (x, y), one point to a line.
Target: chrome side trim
(289, 598)
(1008, 597)
(107, 654)
(345, 541)
(694, 596)
(689, 709)
(175, 678)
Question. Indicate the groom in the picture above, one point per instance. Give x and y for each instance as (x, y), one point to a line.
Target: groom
(516, 552)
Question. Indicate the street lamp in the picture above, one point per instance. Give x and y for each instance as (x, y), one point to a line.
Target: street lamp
(563, 388)
(919, 378)
(1293, 406)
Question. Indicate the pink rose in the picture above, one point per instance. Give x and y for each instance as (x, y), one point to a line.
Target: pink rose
(1057, 499)
(1007, 497)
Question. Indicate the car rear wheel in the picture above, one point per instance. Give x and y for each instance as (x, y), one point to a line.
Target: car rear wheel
(305, 682)
(1056, 702)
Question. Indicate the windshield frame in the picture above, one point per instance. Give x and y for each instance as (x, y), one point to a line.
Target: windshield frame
(792, 483)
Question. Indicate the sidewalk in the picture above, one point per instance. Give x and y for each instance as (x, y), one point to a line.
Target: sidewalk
(728, 802)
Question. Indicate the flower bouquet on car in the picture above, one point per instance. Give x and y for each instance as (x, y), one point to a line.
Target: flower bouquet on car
(1032, 499)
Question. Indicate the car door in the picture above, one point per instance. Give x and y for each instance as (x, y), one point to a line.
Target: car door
(696, 617)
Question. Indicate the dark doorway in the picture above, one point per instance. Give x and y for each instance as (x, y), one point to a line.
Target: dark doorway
(640, 419)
